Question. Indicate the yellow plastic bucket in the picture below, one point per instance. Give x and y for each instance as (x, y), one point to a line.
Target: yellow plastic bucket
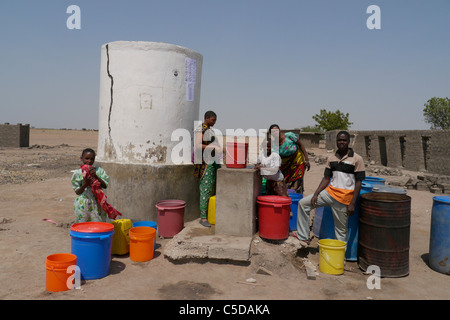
(212, 210)
(331, 256)
(121, 239)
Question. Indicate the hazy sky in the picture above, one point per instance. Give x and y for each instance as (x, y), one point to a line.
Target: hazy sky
(264, 61)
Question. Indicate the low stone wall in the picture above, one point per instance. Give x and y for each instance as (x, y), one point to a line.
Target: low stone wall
(416, 150)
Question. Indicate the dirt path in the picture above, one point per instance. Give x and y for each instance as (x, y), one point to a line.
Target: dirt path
(29, 194)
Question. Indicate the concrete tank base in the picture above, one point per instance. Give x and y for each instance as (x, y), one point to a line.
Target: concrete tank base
(134, 189)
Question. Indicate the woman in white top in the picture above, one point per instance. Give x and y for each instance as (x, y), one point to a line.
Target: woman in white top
(269, 167)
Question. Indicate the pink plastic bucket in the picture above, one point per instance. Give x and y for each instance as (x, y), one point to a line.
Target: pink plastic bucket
(170, 217)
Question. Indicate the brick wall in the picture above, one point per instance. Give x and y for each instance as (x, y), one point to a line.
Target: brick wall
(14, 136)
(417, 150)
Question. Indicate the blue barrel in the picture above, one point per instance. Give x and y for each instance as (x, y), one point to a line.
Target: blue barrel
(440, 235)
(383, 188)
(295, 197)
(327, 226)
(150, 224)
(374, 180)
(317, 222)
(92, 243)
(351, 253)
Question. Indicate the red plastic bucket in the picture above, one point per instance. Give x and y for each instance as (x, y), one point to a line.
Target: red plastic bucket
(273, 216)
(237, 154)
(170, 217)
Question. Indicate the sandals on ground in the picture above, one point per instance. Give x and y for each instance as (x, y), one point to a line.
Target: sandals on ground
(205, 223)
(295, 235)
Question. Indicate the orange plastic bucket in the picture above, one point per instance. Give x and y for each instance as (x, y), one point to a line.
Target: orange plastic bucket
(56, 275)
(142, 243)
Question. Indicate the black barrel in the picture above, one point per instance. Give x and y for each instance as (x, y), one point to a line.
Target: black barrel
(384, 232)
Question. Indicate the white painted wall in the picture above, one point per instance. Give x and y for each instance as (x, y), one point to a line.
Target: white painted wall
(143, 99)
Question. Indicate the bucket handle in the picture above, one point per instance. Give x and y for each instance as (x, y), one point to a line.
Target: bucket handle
(101, 237)
(279, 207)
(76, 280)
(160, 208)
(327, 258)
(141, 238)
(237, 160)
(58, 274)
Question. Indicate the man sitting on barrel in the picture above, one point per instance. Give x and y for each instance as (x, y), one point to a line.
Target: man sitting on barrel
(345, 169)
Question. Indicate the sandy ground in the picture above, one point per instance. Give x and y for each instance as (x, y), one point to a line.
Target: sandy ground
(35, 185)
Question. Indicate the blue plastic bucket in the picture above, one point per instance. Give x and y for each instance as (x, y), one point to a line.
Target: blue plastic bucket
(327, 226)
(92, 243)
(150, 224)
(440, 235)
(295, 197)
(374, 180)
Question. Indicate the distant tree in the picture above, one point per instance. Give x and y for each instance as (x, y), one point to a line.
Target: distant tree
(328, 120)
(437, 113)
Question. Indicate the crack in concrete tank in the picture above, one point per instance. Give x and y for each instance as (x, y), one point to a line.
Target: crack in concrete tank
(111, 90)
(109, 149)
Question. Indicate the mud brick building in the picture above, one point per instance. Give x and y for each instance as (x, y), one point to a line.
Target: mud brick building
(14, 136)
(416, 150)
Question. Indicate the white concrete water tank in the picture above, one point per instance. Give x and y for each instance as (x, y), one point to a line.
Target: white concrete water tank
(147, 90)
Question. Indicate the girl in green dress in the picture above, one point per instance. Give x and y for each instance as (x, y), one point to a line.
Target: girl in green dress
(206, 171)
(86, 207)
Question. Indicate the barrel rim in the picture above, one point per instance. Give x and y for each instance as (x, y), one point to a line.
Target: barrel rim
(332, 243)
(60, 264)
(140, 229)
(92, 227)
(373, 178)
(443, 199)
(144, 223)
(372, 196)
(170, 204)
(272, 199)
(365, 184)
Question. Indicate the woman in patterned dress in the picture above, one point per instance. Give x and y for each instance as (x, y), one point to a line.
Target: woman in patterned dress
(294, 158)
(206, 171)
